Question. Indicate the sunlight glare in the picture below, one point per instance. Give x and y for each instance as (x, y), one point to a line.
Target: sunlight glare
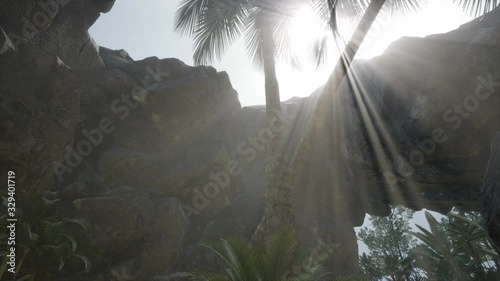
(436, 17)
(305, 28)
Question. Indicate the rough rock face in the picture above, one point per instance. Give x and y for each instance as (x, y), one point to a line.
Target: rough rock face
(434, 103)
(38, 118)
(139, 234)
(156, 144)
(171, 150)
(117, 137)
(38, 53)
(58, 26)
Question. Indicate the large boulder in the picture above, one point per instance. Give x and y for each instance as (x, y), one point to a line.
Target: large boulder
(138, 234)
(170, 124)
(417, 121)
(151, 129)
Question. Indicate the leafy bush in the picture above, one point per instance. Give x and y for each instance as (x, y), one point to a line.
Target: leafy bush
(45, 241)
(457, 248)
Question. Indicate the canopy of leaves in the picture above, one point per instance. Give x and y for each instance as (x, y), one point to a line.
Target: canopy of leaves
(390, 243)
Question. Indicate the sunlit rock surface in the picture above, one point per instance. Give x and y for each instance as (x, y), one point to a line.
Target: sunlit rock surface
(433, 110)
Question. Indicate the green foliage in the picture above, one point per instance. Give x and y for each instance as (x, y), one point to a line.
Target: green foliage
(457, 248)
(45, 241)
(390, 243)
(272, 260)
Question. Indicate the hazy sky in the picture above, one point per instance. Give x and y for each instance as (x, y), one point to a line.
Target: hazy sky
(145, 28)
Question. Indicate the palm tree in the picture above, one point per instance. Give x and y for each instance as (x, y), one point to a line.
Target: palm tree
(455, 249)
(215, 25)
(437, 254)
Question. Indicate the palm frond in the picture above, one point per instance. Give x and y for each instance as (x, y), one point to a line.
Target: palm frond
(244, 257)
(280, 250)
(187, 16)
(207, 274)
(350, 11)
(320, 50)
(407, 7)
(253, 38)
(238, 255)
(73, 242)
(283, 34)
(269, 260)
(214, 32)
(477, 7)
(85, 260)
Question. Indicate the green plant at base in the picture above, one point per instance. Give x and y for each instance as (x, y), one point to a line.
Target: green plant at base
(272, 260)
(45, 241)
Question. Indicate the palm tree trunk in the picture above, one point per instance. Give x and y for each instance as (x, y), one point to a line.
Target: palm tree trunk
(325, 101)
(278, 211)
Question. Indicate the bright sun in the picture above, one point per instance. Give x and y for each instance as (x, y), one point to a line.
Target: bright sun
(305, 28)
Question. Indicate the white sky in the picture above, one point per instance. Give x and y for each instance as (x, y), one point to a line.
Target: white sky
(145, 28)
